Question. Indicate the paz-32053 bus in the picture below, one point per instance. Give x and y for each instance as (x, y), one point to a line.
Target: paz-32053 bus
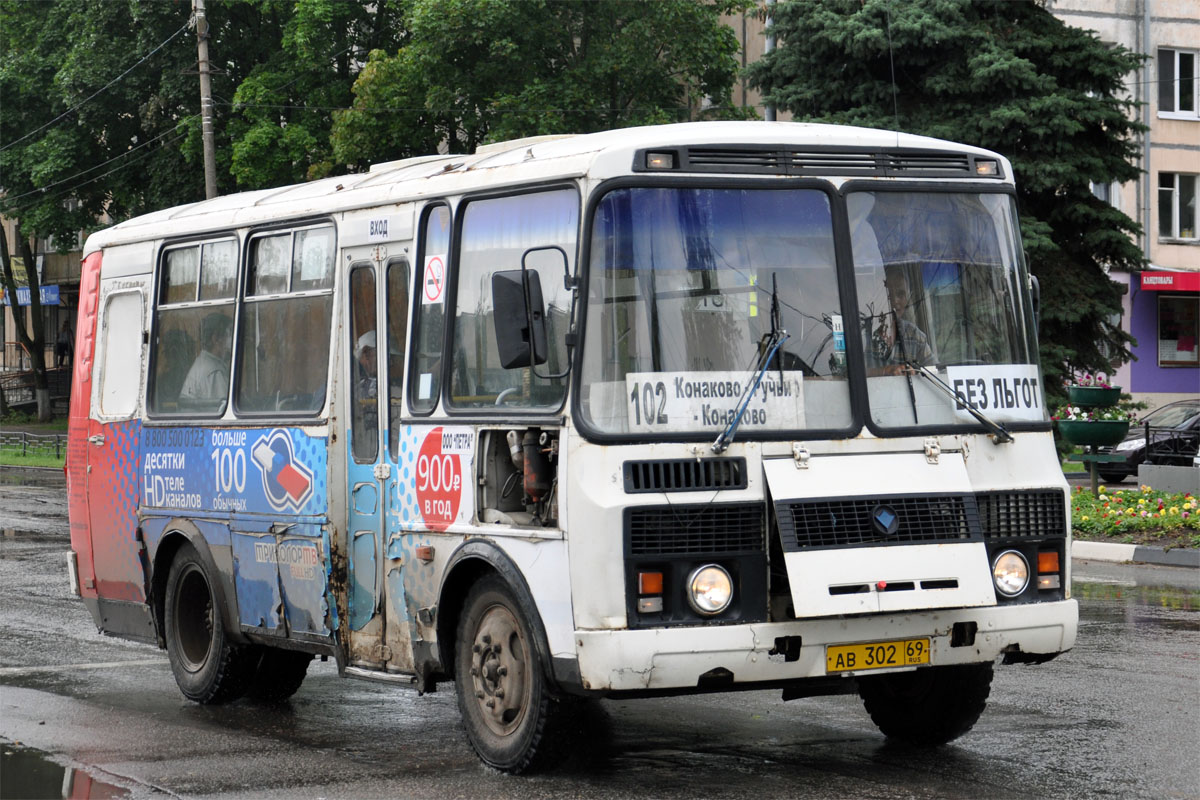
(691, 408)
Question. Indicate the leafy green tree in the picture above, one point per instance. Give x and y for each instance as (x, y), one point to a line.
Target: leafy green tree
(282, 112)
(1008, 76)
(99, 122)
(480, 70)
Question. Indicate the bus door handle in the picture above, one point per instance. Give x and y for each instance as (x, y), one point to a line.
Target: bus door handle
(96, 439)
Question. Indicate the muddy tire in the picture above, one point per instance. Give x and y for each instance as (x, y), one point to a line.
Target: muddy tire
(928, 707)
(208, 667)
(508, 708)
(279, 675)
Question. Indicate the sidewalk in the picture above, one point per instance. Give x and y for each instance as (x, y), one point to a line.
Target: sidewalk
(1136, 553)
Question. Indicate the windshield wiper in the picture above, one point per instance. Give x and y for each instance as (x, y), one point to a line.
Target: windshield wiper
(1001, 435)
(771, 342)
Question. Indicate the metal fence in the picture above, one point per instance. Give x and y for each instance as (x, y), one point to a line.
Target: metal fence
(30, 444)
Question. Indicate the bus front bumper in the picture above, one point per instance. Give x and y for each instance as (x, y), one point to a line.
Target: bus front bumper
(663, 659)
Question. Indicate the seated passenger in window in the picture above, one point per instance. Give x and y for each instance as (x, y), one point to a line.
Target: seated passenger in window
(897, 340)
(207, 382)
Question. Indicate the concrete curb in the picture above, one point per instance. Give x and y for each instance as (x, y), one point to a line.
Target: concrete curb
(1140, 554)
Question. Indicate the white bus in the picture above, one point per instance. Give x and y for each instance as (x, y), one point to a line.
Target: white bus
(667, 410)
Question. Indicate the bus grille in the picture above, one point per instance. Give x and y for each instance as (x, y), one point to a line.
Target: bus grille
(1022, 515)
(848, 522)
(817, 161)
(709, 529)
(685, 475)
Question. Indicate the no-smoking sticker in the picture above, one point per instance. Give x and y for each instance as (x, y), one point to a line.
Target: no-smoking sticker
(439, 475)
(434, 281)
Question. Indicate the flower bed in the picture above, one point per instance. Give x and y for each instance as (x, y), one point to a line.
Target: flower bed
(1136, 515)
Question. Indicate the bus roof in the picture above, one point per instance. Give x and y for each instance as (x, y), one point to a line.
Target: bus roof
(541, 158)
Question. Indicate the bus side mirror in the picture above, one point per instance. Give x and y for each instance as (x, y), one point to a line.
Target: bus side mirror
(520, 318)
(1035, 290)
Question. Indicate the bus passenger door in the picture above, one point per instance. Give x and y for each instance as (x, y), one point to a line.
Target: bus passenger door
(367, 472)
(398, 642)
(379, 630)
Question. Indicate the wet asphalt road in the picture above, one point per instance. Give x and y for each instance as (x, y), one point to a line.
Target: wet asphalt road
(1116, 717)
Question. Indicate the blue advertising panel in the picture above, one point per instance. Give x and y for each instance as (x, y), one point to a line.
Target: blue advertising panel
(265, 471)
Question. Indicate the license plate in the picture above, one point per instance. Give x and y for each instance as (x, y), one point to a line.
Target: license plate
(876, 655)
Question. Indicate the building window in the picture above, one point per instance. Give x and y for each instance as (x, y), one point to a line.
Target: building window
(1178, 328)
(1177, 83)
(1176, 206)
(1108, 192)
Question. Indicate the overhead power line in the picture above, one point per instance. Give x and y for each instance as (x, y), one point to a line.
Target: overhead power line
(126, 165)
(81, 173)
(99, 91)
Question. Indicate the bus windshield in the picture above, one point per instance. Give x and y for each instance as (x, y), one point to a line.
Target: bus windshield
(686, 285)
(940, 280)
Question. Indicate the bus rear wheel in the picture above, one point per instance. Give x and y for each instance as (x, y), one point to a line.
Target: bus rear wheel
(930, 706)
(279, 675)
(208, 667)
(506, 703)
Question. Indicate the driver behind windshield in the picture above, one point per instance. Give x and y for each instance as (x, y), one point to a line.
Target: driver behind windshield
(896, 340)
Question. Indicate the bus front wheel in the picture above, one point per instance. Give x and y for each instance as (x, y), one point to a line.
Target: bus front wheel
(208, 667)
(506, 704)
(930, 706)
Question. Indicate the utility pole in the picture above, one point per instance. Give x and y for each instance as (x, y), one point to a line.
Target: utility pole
(206, 104)
(769, 109)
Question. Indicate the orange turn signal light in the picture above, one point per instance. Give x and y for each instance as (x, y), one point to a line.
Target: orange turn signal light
(1047, 561)
(650, 583)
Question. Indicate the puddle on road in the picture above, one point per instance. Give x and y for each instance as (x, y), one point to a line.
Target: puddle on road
(1178, 598)
(42, 478)
(27, 774)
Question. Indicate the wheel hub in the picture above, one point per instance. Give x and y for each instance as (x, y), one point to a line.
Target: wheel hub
(498, 665)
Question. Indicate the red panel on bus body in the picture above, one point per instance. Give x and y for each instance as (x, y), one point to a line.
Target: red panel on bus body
(113, 494)
(102, 474)
(77, 431)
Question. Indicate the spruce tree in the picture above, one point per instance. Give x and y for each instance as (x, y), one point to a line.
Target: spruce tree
(1005, 75)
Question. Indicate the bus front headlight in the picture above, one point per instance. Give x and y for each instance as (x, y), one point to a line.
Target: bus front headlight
(1010, 572)
(709, 590)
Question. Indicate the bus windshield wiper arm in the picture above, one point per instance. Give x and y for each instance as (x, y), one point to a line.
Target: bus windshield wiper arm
(773, 342)
(996, 428)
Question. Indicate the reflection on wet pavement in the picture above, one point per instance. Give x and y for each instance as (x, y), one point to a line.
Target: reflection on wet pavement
(1174, 597)
(27, 774)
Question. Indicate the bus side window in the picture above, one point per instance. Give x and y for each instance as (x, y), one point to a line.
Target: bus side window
(397, 333)
(283, 339)
(193, 328)
(496, 233)
(425, 378)
(364, 366)
(121, 332)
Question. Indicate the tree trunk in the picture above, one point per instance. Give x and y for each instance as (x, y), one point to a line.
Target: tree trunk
(31, 340)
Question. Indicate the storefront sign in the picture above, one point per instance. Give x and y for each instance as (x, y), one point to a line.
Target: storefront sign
(1171, 281)
(48, 294)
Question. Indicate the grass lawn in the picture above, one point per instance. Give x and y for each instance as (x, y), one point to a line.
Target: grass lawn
(34, 452)
(11, 459)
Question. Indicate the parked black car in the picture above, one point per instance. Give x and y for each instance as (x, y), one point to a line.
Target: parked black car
(1174, 440)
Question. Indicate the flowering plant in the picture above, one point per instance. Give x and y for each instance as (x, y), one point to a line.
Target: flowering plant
(1077, 414)
(1088, 379)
